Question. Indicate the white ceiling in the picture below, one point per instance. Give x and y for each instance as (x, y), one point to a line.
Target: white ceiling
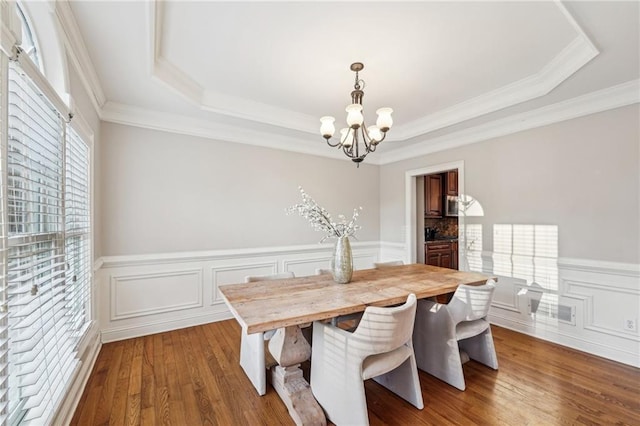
(264, 72)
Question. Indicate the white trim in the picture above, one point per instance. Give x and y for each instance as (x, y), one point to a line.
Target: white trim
(9, 26)
(569, 60)
(34, 73)
(245, 267)
(599, 266)
(184, 125)
(197, 256)
(72, 397)
(602, 100)
(147, 328)
(117, 314)
(595, 329)
(573, 57)
(410, 206)
(81, 126)
(553, 335)
(78, 53)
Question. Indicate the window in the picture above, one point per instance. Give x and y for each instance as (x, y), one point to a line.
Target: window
(45, 279)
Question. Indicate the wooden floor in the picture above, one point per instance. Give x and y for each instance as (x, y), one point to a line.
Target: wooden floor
(192, 377)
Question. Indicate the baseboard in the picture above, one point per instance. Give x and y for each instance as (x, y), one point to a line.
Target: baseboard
(564, 339)
(145, 329)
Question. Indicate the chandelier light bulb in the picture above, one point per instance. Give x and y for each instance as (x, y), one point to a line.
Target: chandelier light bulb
(375, 134)
(327, 128)
(346, 137)
(354, 116)
(384, 121)
(357, 140)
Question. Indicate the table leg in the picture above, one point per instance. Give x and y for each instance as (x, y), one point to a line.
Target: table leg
(290, 348)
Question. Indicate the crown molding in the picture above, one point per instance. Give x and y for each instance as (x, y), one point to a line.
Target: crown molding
(161, 70)
(171, 76)
(610, 98)
(573, 57)
(568, 61)
(180, 124)
(79, 54)
(602, 100)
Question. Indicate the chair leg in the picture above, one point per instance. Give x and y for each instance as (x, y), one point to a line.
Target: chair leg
(404, 382)
(481, 349)
(252, 360)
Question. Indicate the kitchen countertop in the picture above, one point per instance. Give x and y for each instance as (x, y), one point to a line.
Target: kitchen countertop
(441, 238)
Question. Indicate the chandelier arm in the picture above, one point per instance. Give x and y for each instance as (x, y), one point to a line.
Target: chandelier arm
(366, 138)
(350, 140)
(333, 145)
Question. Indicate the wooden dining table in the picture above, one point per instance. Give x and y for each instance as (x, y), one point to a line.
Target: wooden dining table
(289, 303)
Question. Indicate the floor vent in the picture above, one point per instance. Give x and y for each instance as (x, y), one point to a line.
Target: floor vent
(567, 314)
(549, 309)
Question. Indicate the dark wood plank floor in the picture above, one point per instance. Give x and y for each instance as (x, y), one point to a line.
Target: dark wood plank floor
(192, 377)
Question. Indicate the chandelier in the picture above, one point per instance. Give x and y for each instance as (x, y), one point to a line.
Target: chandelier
(357, 140)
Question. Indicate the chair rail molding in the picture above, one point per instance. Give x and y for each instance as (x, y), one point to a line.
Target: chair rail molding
(152, 293)
(600, 296)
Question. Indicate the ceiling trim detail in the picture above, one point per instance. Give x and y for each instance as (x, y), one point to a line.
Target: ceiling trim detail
(162, 70)
(602, 100)
(173, 123)
(171, 76)
(77, 51)
(573, 57)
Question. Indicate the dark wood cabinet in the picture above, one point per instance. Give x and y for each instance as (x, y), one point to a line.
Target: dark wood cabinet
(454, 255)
(433, 196)
(441, 253)
(452, 182)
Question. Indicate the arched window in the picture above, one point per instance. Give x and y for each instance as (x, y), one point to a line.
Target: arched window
(29, 44)
(45, 230)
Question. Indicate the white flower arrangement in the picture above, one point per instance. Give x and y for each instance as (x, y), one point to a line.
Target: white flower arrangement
(321, 220)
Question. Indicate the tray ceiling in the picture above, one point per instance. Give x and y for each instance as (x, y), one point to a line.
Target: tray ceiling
(276, 67)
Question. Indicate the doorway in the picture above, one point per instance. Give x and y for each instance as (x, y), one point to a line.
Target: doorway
(414, 223)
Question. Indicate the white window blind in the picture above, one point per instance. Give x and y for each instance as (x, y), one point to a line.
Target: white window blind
(48, 249)
(77, 232)
(4, 335)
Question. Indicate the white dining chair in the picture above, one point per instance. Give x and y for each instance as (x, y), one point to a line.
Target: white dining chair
(252, 346)
(447, 335)
(379, 265)
(379, 349)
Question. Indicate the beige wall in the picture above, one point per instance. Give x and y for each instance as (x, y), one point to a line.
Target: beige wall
(581, 175)
(164, 192)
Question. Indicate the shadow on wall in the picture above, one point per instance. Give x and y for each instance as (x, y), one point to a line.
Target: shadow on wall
(526, 255)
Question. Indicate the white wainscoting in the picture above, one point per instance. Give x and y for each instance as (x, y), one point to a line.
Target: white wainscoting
(146, 294)
(586, 308)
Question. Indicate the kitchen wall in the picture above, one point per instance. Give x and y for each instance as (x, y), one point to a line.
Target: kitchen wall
(164, 193)
(555, 217)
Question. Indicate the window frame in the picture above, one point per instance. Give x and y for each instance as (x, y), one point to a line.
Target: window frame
(85, 134)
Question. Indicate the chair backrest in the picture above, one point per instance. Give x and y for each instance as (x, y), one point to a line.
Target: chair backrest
(280, 276)
(321, 271)
(379, 265)
(384, 329)
(471, 302)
